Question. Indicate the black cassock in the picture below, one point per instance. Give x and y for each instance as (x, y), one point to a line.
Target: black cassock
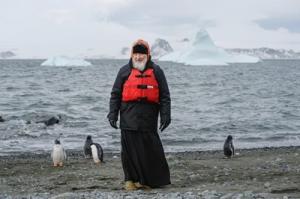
(143, 157)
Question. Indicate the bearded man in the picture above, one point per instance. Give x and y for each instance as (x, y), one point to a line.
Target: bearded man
(140, 94)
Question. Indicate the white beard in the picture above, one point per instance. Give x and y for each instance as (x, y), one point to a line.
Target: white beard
(140, 65)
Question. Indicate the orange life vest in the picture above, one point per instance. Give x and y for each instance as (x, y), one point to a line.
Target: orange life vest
(141, 86)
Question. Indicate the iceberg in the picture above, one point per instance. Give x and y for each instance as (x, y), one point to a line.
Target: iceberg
(65, 61)
(203, 51)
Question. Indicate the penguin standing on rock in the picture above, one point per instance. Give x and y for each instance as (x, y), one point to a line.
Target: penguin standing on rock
(58, 154)
(87, 147)
(228, 147)
(97, 153)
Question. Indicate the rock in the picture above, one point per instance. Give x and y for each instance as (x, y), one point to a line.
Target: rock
(65, 195)
(248, 194)
(194, 177)
(285, 190)
(267, 185)
(285, 168)
(238, 196)
(129, 197)
(227, 196)
(209, 194)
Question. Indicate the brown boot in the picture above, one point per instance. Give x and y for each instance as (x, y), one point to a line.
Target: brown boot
(129, 186)
(140, 186)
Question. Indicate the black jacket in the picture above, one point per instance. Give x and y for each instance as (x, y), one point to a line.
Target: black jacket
(139, 115)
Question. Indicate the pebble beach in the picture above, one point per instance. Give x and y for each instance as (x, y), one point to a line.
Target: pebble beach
(251, 173)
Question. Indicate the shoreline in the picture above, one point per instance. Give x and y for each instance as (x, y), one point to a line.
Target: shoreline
(79, 153)
(269, 172)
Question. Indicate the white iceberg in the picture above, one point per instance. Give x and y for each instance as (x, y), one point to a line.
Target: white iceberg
(65, 61)
(203, 51)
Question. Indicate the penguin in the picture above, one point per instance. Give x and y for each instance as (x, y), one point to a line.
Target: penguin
(58, 154)
(97, 153)
(87, 147)
(228, 147)
(1, 119)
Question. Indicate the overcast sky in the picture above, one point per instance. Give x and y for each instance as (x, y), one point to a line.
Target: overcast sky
(43, 28)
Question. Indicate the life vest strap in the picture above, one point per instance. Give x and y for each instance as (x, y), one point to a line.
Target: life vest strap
(142, 75)
(144, 86)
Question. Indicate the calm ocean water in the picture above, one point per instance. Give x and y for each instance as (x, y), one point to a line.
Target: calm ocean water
(258, 104)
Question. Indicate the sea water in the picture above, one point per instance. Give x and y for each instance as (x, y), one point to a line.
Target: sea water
(258, 104)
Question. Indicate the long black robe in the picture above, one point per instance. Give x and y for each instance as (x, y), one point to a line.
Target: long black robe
(143, 157)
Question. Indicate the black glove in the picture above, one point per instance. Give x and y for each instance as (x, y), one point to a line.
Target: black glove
(164, 124)
(113, 123)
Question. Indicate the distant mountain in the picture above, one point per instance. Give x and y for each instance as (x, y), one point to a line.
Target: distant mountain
(125, 51)
(185, 40)
(7, 54)
(160, 48)
(266, 53)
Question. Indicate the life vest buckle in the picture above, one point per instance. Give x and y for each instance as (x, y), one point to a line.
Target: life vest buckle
(142, 86)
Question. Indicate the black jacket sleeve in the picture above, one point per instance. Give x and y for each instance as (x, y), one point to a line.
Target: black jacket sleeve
(116, 93)
(164, 94)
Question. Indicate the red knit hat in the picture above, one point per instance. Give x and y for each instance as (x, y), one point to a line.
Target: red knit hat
(140, 46)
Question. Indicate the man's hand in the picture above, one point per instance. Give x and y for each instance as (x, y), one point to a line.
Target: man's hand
(113, 123)
(164, 125)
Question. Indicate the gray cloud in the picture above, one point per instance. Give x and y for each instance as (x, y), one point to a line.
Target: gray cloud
(54, 27)
(160, 15)
(291, 24)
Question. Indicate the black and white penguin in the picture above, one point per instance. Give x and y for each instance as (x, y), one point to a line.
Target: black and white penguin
(87, 147)
(58, 154)
(228, 147)
(1, 119)
(97, 153)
